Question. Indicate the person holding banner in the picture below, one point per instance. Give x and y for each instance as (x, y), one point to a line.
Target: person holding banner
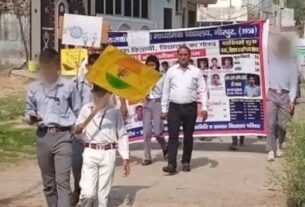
(152, 115)
(84, 88)
(104, 133)
(52, 103)
(282, 82)
(234, 145)
(182, 83)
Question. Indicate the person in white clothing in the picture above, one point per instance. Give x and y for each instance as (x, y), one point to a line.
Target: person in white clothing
(182, 83)
(104, 133)
(84, 89)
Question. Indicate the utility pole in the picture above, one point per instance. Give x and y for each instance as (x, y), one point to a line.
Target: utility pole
(230, 10)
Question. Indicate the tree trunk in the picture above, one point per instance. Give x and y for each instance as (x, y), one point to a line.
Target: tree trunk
(26, 51)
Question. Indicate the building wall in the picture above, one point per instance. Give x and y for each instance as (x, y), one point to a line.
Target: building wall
(157, 7)
(154, 21)
(125, 23)
(155, 16)
(45, 20)
(12, 52)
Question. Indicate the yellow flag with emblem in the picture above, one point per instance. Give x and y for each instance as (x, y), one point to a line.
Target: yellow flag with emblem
(122, 75)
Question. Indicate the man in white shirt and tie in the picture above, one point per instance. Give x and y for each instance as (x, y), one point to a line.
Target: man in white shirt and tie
(182, 83)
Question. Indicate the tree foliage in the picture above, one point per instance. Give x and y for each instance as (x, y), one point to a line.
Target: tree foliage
(299, 8)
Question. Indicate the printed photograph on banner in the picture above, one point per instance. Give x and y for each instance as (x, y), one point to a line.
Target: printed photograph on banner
(77, 30)
(252, 88)
(216, 84)
(227, 62)
(214, 64)
(242, 85)
(138, 114)
(135, 112)
(203, 63)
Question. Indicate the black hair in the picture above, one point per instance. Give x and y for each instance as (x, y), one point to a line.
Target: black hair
(49, 56)
(92, 58)
(214, 59)
(154, 59)
(96, 88)
(184, 47)
(139, 107)
(165, 63)
(104, 45)
(215, 75)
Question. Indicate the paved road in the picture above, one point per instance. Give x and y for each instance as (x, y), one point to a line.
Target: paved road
(218, 178)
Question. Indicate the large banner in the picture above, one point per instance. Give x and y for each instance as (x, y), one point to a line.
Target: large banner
(232, 63)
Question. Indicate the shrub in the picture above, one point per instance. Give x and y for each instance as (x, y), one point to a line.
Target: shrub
(293, 166)
(11, 108)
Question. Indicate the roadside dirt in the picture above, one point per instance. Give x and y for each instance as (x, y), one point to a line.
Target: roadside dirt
(12, 85)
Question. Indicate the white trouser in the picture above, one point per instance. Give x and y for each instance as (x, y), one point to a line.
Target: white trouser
(97, 175)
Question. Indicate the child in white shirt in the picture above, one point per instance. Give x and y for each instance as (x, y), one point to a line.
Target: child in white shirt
(104, 133)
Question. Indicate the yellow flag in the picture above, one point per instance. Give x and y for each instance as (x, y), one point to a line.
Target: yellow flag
(123, 75)
(71, 59)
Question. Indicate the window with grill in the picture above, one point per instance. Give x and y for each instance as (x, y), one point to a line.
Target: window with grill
(128, 8)
(99, 6)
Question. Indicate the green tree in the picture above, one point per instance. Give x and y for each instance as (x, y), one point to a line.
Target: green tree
(299, 13)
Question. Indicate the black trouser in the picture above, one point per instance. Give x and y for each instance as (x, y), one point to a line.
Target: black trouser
(235, 140)
(186, 115)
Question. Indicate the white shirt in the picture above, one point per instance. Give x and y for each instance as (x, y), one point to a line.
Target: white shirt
(156, 92)
(183, 87)
(106, 127)
(283, 74)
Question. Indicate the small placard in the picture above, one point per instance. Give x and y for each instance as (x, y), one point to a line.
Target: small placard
(80, 30)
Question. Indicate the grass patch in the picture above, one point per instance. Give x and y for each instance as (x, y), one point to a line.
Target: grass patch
(292, 177)
(15, 143)
(11, 108)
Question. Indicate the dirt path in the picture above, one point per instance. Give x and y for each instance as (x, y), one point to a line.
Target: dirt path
(10, 86)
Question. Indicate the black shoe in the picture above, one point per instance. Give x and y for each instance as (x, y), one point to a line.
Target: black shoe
(208, 139)
(261, 137)
(169, 169)
(186, 167)
(75, 198)
(233, 147)
(165, 154)
(146, 162)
